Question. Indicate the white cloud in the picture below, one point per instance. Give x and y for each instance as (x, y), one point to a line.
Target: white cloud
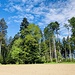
(24, 1)
(42, 11)
(17, 21)
(14, 0)
(31, 17)
(61, 37)
(16, 17)
(17, 7)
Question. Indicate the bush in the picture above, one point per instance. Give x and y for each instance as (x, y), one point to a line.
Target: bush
(1, 59)
(73, 60)
(66, 60)
(54, 60)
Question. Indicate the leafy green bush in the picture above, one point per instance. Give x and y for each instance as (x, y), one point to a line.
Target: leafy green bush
(54, 60)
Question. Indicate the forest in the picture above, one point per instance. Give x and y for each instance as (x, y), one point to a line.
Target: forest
(31, 45)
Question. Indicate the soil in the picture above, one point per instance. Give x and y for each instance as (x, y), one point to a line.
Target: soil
(38, 69)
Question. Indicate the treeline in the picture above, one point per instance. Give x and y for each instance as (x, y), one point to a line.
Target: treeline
(30, 45)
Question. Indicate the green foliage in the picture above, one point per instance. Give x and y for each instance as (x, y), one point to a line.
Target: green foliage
(3, 27)
(1, 59)
(4, 51)
(23, 27)
(44, 49)
(31, 46)
(72, 24)
(26, 49)
(3, 31)
(15, 51)
(34, 30)
(31, 49)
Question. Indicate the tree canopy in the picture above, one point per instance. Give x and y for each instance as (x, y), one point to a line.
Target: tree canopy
(32, 45)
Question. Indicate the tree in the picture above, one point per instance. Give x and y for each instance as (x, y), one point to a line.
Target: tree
(14, 54)
(68, 28)
(31, 41)
(54, 26)
(4, 51)
(64, 43)
(57, 40)
(49, 32)
(31, 35)
(48, 36)
(72, 24)
(3, 31)
(23, 27)
(10, 40)
(44, 49)
(31, 50)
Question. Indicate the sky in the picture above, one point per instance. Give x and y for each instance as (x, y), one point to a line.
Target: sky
(39, 12)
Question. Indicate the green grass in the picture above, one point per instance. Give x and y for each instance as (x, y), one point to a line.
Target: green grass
(68, 62)
(61, 63)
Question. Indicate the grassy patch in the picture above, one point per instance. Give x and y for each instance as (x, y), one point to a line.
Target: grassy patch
(61, 63)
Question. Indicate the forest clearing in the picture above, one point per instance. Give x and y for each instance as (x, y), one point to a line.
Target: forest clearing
(38, 69)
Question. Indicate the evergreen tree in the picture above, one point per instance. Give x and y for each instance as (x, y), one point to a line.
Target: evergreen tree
(23, 27)
(31, 44)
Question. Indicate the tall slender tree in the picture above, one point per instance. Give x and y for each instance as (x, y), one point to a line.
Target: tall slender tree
(58, 40)
(72, 24)
(50, 31)
(54, 29)
(3, 31)
(68, 28)
(64, 48)
(48, 36)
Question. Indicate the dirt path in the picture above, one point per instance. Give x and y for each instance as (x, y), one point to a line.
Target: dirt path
(38, 69)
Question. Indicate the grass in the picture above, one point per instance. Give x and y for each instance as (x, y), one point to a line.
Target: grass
(43, 63)
(61, 63)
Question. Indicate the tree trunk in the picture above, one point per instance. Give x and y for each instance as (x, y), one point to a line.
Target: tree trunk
(69, 48)
(40, 47)
(50, 51)
(70, 52)
(65, 54)
(55, 54)
(0, 52)
(0, 47)
(58, 47)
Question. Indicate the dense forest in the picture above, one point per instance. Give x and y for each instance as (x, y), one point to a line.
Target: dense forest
(32, 45)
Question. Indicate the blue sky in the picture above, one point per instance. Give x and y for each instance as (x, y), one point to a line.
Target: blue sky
(40, 12)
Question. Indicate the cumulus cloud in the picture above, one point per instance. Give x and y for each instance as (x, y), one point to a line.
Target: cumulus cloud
(24, 1)
(42, 12)
(17, 7)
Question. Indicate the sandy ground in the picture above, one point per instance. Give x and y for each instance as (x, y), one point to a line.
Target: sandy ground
(38, 69)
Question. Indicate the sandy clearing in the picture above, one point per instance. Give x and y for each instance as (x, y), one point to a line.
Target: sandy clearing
(38, 69)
